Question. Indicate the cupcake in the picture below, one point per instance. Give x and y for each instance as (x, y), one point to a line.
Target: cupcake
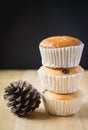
(61, 51)
(60, 80)
(63, 105)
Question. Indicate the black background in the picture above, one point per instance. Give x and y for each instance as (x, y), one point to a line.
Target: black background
(24, 24)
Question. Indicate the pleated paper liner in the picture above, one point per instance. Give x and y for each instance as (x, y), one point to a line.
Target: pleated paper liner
(62, 107)
(60, 84)
(65, 57)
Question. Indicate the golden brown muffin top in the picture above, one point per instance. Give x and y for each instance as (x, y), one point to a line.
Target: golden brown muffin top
(60, 71)
(59, 42)
(57, 96)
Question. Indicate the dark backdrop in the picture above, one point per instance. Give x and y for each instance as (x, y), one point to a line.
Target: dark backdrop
(23, 25)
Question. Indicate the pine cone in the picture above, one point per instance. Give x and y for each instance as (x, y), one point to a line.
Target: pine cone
(22, 97)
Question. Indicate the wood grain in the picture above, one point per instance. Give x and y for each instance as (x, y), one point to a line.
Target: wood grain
(40, 119)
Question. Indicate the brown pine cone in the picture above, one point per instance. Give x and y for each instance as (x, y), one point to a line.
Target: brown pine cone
(22, 97)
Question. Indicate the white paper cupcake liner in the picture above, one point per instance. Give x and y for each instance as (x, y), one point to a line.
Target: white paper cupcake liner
(65, 57)
(60, 84)
(62, 107)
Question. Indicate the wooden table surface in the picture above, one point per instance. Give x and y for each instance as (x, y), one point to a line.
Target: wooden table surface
(39, 119)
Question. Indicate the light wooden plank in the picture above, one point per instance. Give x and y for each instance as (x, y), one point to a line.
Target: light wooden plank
(40, 119)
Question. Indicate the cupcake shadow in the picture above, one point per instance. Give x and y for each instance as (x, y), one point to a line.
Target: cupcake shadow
(42, 115)
(39, 115)
(84, 111)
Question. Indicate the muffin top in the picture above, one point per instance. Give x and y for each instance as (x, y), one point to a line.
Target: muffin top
(59, 42)
(60, 71)
(57, 96)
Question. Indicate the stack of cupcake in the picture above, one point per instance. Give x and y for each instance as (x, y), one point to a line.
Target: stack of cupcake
(60, 74)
